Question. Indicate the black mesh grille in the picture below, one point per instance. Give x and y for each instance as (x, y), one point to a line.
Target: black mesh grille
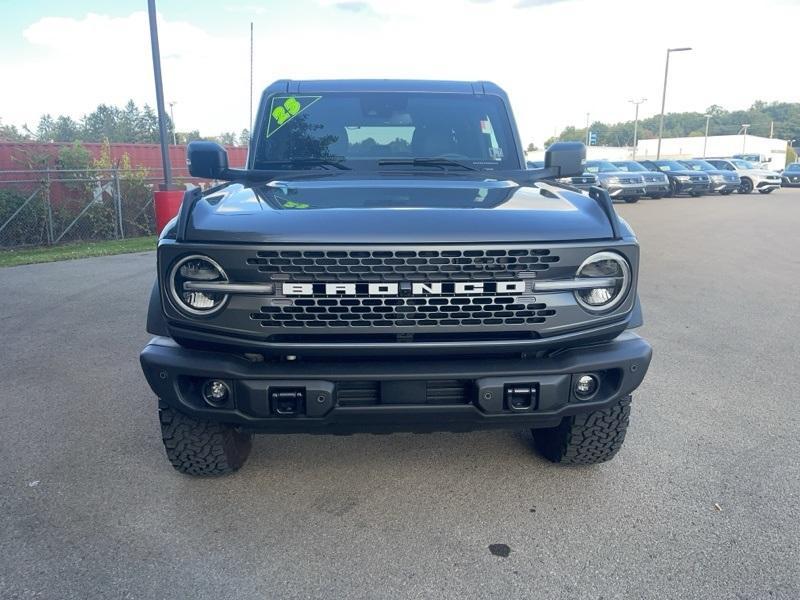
(401, 265)
(404, 312)
(437, 391)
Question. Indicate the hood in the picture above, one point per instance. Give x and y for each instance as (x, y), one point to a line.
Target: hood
(718, 173)
(418, 210)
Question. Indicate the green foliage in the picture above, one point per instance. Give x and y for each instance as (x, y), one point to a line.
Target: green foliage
(9, 133)
(29, 226)
(791, 155)
(785, 117)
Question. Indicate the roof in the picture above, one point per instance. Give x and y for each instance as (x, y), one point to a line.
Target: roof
(383, 85)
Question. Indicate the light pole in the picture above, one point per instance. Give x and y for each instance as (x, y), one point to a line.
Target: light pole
(172, 118)
(636, 103)
(705, 141)
(664, 98)
(162, 125)
(587, 129)
(744, 128)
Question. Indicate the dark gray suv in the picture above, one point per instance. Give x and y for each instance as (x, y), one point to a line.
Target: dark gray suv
(656, 183)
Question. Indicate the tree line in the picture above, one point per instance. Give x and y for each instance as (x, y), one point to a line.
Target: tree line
(782, 119)
(128, 124)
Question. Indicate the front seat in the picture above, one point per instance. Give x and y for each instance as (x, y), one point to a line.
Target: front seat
(434, 139)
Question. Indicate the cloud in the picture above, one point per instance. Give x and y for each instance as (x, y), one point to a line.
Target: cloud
(533, 3)
(352, 6)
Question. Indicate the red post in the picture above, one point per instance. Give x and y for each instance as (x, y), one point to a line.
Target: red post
(167, 205)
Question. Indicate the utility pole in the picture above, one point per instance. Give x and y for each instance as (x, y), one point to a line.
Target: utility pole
(664, 98)
(172, 118)
(162, 117)
(705, 141)
(771, 128)
(636, 103)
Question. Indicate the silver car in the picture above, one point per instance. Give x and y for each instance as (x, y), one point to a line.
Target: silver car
(619, 184)
(753, 178)
(656, 183)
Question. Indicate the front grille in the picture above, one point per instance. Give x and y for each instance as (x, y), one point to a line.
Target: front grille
(401, 265)
(404, 312)
(699, 178)
(653, 179)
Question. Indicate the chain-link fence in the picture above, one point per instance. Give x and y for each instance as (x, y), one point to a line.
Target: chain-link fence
(46, 207)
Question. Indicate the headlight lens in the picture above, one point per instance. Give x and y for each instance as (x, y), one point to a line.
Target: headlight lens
(196, 269)
(606, 265)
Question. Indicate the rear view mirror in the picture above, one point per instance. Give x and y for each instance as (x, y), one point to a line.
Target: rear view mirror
(567, 157)
(207, 159)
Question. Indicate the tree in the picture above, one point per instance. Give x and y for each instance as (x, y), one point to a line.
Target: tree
(531, 147)
(227, 138)
(244, 137)
(10, 133)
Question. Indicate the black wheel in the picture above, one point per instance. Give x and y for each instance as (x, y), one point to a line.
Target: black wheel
(673, 189)
(202, 447)
(746, 186)
(767, 191)
(631, 200)
(726, 192)
(588, 438)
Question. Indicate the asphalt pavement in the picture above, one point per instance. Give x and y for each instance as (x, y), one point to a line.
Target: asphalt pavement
(702, 501)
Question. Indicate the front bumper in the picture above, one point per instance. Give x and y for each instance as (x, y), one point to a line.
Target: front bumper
(790, 181)
(626, 191)
(725, 186)
(692, 187)
(397, 396)
(767, 184)
(654, 188)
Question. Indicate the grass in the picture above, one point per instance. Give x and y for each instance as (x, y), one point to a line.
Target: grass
(27, 256)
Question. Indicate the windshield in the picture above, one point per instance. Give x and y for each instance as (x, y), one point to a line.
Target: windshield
(601, 166)
(358, 129)
(749, 157)
(630, 166)
(699, 165)
(741, 164)
(670, 165)
(793, 167)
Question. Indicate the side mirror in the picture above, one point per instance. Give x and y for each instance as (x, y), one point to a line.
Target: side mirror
(567, 157)
(206, 159)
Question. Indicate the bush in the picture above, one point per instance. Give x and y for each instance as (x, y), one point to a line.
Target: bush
(29, 226)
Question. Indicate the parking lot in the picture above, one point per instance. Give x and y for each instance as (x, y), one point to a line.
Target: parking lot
(702, 501)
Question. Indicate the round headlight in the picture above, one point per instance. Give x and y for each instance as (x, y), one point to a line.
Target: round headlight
(193, 272)
(615, 272)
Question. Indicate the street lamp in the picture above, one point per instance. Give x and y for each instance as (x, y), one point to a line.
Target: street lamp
(705, 141)
(636, 103)
(172, 118)
(744, 128)
(664, 98)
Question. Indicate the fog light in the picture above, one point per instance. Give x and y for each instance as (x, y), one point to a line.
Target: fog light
(586, 386)
(216, 392)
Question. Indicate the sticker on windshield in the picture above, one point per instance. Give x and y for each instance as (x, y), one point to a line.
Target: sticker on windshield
(283, 109)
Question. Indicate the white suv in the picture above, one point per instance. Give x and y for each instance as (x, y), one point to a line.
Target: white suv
(753, 178)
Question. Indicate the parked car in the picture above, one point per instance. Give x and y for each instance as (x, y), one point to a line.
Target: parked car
(682, 180)
(724, 182)
(619, 184)
(582, 182)
(656, 183)
(790, 177)
(753, 178)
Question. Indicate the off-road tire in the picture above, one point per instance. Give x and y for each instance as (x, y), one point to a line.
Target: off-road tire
(202, 447)
(586, 439)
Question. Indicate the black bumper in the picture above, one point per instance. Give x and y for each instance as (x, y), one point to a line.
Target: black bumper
(384, 394)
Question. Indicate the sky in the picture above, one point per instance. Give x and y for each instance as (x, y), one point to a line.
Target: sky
(557, 59)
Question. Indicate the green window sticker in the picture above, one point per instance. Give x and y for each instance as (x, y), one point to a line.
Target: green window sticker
(283, 109)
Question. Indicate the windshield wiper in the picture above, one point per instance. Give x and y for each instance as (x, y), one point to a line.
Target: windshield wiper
(332, 161)
(435, 161)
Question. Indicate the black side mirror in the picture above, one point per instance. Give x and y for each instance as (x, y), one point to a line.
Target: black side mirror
(567, 157)
(206, 159)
